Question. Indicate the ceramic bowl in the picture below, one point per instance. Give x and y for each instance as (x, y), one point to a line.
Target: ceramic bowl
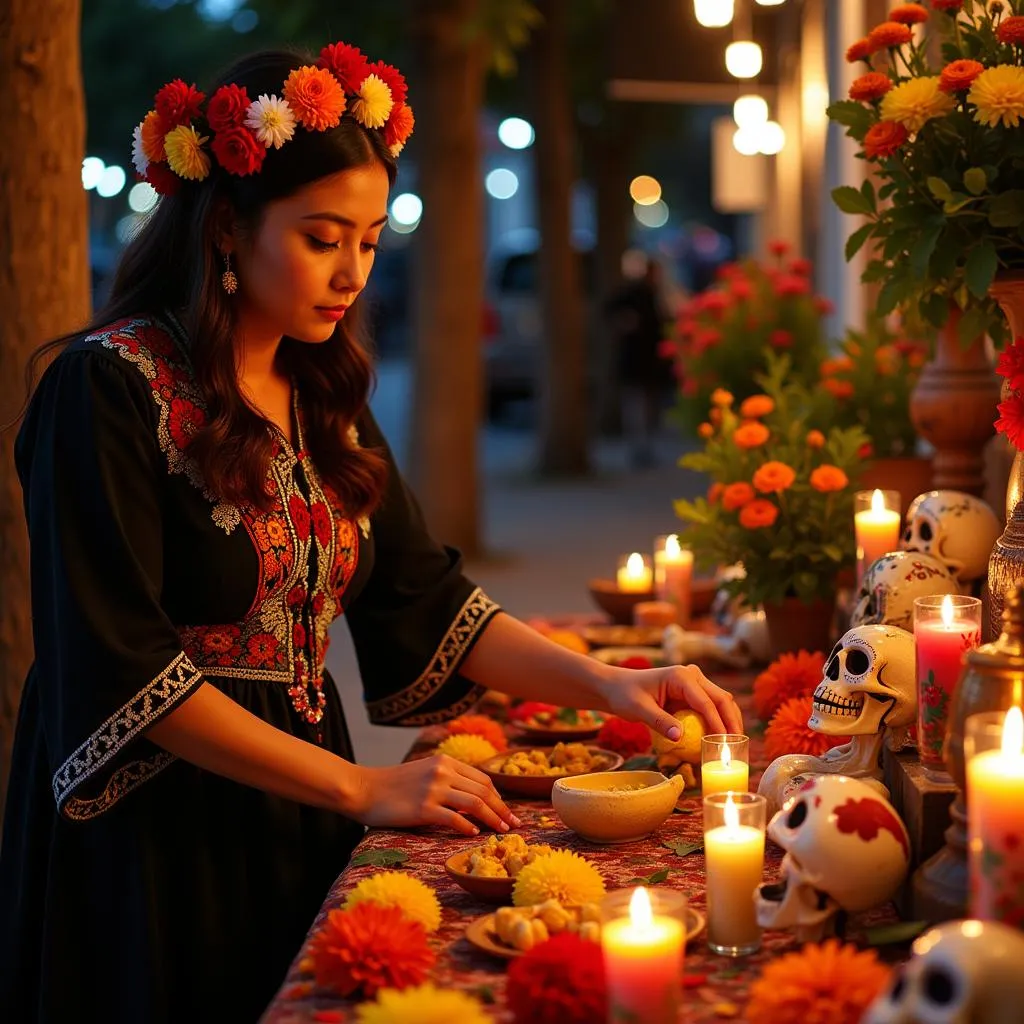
(538, 787)
(490, 890)
(619, 604)
(597, 807)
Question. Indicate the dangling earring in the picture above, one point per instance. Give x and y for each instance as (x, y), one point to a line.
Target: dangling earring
(228, 281)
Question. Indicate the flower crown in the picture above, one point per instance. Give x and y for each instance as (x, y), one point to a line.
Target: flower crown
(170, 144)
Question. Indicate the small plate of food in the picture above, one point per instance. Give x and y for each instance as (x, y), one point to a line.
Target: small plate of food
(630, 657)
(489, 871)
(547, 723)
(531, 772)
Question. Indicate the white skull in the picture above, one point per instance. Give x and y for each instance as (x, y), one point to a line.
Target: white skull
(962, 972)
(887, 592)
(846, 851)
(869, 684)
(958, 529)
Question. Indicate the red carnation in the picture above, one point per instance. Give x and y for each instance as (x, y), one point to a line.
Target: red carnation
(871, 86)
(800, 267)
(561, 981)
(178, 103)
(860, 50)
(958, 75)
(884, 138)
(1011, 30)
(346, 63)
(238, 151)
(392, 78)
(163, 179)
(625, 738)
(227, 108)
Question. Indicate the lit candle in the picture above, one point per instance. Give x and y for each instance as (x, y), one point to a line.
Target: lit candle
(724, 763)
(734, 858)
(995, 816)
(673, 575)
(643, 958)
(945, 627)
(877, 527)
(634, 574)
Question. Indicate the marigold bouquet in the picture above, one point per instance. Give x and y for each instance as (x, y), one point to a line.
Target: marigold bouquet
(945, 144)
(781, 495)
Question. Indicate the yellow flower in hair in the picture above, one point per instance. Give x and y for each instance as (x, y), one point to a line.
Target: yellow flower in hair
(424, 1004)
(396, 889)
(373, 107)
(185, 153)
(915, 102)
(998, 94)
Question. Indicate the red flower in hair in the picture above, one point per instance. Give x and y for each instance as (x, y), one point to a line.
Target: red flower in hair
(561, 981)
(178, 103)
(238, 151)
(346, 63)
(227, 108)
(392, 78)
(163, 179)
(399, 125)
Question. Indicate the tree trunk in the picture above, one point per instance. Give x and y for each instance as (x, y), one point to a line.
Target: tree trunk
(44, 278)
(448, 389)
(563, 400)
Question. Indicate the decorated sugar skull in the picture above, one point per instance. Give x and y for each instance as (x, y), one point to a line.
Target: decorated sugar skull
(868, 683)
(846, 851)
(887, 592)
(956, 528)
(962, 972)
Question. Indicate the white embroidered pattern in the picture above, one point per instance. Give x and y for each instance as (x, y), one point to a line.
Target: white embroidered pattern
(121, 783)
(173, 684)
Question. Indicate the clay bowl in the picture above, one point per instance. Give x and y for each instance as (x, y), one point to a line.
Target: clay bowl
(538, 787)
(619, 604)
(490, 890)
(598, 809)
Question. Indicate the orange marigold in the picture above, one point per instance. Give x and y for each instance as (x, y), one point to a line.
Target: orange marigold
(1011, 30)
(315, 97)
(370, 947)
(791, 675)
(884, 138)
(869, 87)
(859, 50)
(757, 405)
(721, 397)
(828, 478)
(759, 513)
(815, 439)
(773, 477)
(399, 125)
(706, 430)
(958, 75)
(750, 435)
(479, 725)
(153, 132)
(838, 388)
(787, 732)
(889, 35)
(715, 492)
(909, 14)
(826, 981)
(737, 495)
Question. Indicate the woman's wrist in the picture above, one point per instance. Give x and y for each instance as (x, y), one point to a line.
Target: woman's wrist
(351, 790)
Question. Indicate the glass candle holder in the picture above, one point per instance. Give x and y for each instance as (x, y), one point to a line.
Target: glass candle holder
(877, 523)
(945, 628)
(734, 827)
(634, 575)
(994, 757)
(673, 575)
(643, 939)
(724, 763)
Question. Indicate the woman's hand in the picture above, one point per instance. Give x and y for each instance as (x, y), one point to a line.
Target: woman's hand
(434, 790)
(651, 695)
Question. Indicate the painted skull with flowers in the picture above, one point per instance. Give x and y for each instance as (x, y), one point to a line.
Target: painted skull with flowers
(938, 114)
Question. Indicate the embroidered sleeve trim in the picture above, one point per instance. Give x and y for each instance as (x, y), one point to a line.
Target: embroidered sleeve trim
(121, 783)
(155, 699)
(466, 626)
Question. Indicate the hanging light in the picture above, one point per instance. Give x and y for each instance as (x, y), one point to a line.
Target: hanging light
(771, 138)
(713, 13)
(743, 60)
(747, 141)
(750, 110)
(770, 3)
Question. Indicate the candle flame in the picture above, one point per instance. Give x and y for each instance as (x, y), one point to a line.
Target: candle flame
(732, 813)
(635, 564)
(726, 755)
(1013, 732)
(672, 548)
(640, 915)
(877, 501)
(947, 611)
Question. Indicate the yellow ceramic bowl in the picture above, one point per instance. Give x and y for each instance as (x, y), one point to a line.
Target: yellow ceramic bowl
(615, 807)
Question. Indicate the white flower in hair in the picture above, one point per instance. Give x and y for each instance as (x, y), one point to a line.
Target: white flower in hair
(139, 158)
(271, 120)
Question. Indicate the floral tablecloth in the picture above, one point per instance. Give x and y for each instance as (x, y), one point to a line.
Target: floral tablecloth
(716, 987)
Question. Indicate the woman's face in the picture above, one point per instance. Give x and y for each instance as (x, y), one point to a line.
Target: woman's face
(311, 256)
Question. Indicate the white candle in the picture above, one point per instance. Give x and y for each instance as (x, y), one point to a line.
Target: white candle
(877, 531)
(635, 575)
(725, 774)
(673, 575)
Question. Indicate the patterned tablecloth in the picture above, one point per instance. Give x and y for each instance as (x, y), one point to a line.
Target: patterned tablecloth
(716, 987)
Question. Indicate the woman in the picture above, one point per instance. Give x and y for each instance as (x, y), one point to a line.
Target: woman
(206, 491)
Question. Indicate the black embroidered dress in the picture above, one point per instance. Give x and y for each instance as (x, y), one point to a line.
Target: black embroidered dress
(133, 885)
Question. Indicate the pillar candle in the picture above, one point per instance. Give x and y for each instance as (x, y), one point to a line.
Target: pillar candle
(724, 775)
(673, 575)
(634, 574)
(877, 531)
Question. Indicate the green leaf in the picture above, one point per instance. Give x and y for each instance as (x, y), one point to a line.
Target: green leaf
(867, 190)
(972, 325)
(889, 297)
(653, 879)
(935, 309)
(640, 763)
(385, 858)
(852, 115)
(922, 250)
(981, 267)
(975, 180)
(849, 200)
(939, 188)
(956, 201)
(568, 715)
(894, 934)
(857, 239)
(833, 552)
(1007, 209)
(683, 849)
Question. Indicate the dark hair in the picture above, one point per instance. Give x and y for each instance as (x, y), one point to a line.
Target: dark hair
(174, 263)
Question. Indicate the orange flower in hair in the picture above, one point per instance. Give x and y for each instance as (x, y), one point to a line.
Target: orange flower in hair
(828, 478)
(153, 132)
(315, 97)
(787, 732)
(750, 435)
(758, 514)
(791, 675)
(399, 125)
(479, 725)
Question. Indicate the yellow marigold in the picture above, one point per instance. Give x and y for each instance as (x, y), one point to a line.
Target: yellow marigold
(560, 875)
(915, 102)
(397, 889)
(829, 981)
(315, 97)
(425, 1004)
(750, 435)
(828, 478)
(153, 133)
(756, 406)
(998, 95)
(373, 107)
(185, 154)
(468, 748)
(721, 397)
(815, 439)
(773, 477)
(480, 725)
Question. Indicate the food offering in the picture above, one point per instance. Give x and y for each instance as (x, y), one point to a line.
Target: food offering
(532, 771)
(512, 931)
(489, 871)
(546, 723)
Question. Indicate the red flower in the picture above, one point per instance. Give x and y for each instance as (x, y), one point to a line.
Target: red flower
(299, 635)
(958, 75)
(183, 421)
(392, 78)
(883, 139)
(909, 14)
(800, 267)
(399, 125)
(1011, 30)
(780, 339)
(238, 151)
(947, 5)
(791, 675)
(865, 451)
(822, 306)
(792, 286)
(323, 523)
(296, 596)
(346, 63)
(1011, 420)
(625, 738)
(262, 649)
(561, 981)
(178, 103)
(163, 179)
(227, 108)
(778, 247)
(889, 35)
(368, 948)
(529, 708)
(1011, 364)
(871, 86)
(860, 50)
(299, 512)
